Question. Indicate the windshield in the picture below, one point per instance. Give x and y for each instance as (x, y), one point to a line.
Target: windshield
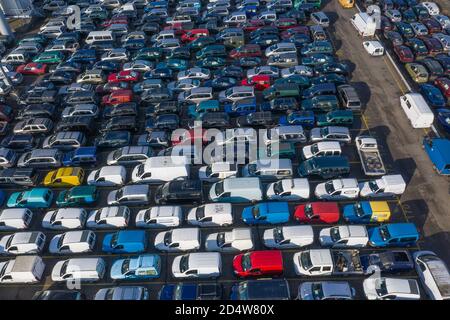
(140, 170)
(208, 171)
(317, 291)
(200, 213)
(252, 168)
(220, 239)
(255, 212)
(334, 234)
(117, 154)
(358, 209)
(380, 287)
(278, 235)
(246, 262)
(314, 149)
(114, 239)
(168, 238)
(305, 260)
(278, 187)
(119, 194)
(184, 266)
(219, 188)
(309, 210)
(384, 233)
(373, 186)
(329, 188)
(125, 266)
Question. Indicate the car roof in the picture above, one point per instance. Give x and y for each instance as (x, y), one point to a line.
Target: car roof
(400, 229)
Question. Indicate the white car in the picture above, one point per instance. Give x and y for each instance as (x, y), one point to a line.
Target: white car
(194, 73)
(374, 48)
(217, 171)
(107, 176)
(109, 217)
(65, 218)
(211, 215)
(288, 190)
(122, 293)
(180, 239)
(270, 71)
(197, 265)
(322, 148)
(326, 290)
(433, 8)
(138, 65)
(22, 243)
(288, 237)
(297, 70)
(159, 217)
(433, 274)
(238, 239)
(73, 242)
(391, 289)
(344, 236)
(337, 189)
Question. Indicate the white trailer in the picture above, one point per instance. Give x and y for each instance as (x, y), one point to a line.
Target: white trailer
(365, 24)
(23, 269)
(370, 156)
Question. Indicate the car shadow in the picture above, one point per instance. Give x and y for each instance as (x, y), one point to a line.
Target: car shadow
(364, 93)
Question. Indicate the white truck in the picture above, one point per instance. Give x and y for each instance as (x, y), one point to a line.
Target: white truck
(23, 269)
(370, 156)
(365, 24)
(320, 262)
(386, 186)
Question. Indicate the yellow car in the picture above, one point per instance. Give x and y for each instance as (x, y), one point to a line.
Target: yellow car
(64, 177)
(347, 4)
(417, 72)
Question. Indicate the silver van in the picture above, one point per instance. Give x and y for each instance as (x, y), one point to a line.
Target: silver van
(81, 269)
(132, 194)
(15, 218)
(285, 134)
(349, 97)
(269, 169)
(67, 140)
(40, 158)
(33, 126)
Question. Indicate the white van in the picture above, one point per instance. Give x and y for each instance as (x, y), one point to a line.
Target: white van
(107, 176)
(81, 269)
(99, 36)
(288, 190)
(181, 239)
(268, 16)
(236, 190)
(16, 57)
(109, 217)
(197, 265)
(337, 189)
(386, 186)
(161, 169)
(73, 242)
(195, 95)
(236, 18)
(288, 237)
(25, 269)
(22, 243)
(344, 236)
(237, 135)
(217, 171)
(374, 48)
(280, 48)
(65, 218)
(190, 151)
(434, 274)
(159, 217)
(285, 134)
(164, 35)
(15, 218)
(238, 239)
(211, 215)
(417, 110)
(269, 169)
(320, 149)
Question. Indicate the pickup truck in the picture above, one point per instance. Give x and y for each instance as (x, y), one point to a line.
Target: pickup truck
(387, 261)
(319, 262)
(370, 156)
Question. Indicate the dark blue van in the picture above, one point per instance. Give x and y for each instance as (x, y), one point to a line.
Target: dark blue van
(318, 90)
(81, 156)
(241, 108)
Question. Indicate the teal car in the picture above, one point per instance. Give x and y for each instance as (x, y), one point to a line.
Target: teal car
(211, 62)
(324, 103)
(202, 42)
(315, 47)
(213, 50)
(174, 64)
(144, 266)
(150, 54)
(76, 196)
(34, 198)
(335, 118)
(49, 57)
(298, 79)
(282, 150)
(195, 111)
(35, 38)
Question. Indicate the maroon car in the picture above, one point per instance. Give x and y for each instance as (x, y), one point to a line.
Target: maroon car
(432, 25)
(286, 34)
(443, 83)
(254, 24)
(404, 54)
(433, 45)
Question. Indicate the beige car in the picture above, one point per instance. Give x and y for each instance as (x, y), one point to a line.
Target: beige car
(417, 72)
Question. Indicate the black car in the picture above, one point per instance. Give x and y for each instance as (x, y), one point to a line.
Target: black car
(267, 289)
(387, 261)
(393, 37)
(43, 85)
(20, 142)
(213, 120)
(108, 66)
(260, 118)
(333, 67)
(191, 291)
(281, 104)
(179, 53)
(248, 62)
(168, 121)
(179, 191)
(62, 77)
(433, 66)
(79, 123)
(155, 95)
(230, 71)
(58, 295)
(19, 177)
(221, 83)
(263, 31)
(128, 123)
(444, 60)
(113, 139)
(45, 110)
(123, 109)
(81, 97)
(150, 28)
(68, 66)
(163, 107)
(40, 97)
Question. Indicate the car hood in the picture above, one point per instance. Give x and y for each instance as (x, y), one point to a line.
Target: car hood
(374, 236)
(247, 215)
(305, 292)
(53, 246)
(116, 269)
(349, 213)
(12, 201)
(106, 245)
(237, 263)
(325, 237)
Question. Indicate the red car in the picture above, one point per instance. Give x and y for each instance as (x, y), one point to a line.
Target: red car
(317, 212)
(193, 34)
(125, 76)
(285, 23)
(260, 82)
(404, 54)
(443, 84)
(254, 24)
(117, 97)
(286, 34)
(32, 68)
(432, 25)
(433, 45)
(115, 20)
(247, 50)
(191, 136)
(258, 263)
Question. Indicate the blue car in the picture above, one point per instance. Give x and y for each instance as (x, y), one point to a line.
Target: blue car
(394, 261)
(191, 291)
(433, 96)
(241, 108)
(80, 157)
(142, 267)
(294, 118)
(266, 213)
(393, 235)
(443, 118)
(438, 150)
(84, 56)
(128, 241)
(34, 198)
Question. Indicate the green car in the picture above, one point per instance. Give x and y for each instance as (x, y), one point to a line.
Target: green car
(324, 103)
(282, 150)
(211, 62)
(36, 38)
(298, 79)
(76, 196)
(196, 110)
(174, 64)
(214, 50)
(281, 90)
(336, 117)
(315, 3)
(149, 54)
(50, 57)
(201, 43)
